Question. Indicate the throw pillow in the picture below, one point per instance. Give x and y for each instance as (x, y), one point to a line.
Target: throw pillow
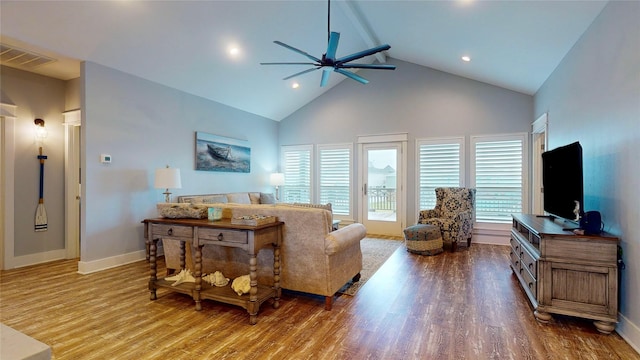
(239, 198)
(214, 199)
(254, 197)
(267, 198)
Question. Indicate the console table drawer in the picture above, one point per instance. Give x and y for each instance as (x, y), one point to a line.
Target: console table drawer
(223, 236)
(175, 231)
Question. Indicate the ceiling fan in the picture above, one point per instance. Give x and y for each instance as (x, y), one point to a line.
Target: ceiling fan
(329, 62)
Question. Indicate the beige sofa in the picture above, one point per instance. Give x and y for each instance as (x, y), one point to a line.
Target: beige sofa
(314, 258)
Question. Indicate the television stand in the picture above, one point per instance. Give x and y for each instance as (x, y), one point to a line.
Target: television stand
(566, 273)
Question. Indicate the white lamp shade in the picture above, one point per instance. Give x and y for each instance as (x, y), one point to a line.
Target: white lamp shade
(168, 178)
(276, 179)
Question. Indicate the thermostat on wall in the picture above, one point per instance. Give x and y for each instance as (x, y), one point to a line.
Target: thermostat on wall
(105, 158)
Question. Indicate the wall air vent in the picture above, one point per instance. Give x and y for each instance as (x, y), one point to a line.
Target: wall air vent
(14, 57)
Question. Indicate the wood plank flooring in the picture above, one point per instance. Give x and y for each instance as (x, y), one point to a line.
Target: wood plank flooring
(463, 305)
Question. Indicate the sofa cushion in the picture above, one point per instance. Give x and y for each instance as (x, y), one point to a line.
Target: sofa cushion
(326, 206)
(238, 198)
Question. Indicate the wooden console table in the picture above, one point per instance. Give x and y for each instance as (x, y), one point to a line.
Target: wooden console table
(201, 232)
(566, 273)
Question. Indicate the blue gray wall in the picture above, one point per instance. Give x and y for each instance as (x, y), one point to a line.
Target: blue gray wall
(593, 97)
(414, 99)
(42, 97)
(144, 126)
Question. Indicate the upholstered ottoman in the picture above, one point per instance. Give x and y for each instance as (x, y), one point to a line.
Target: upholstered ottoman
(423, 239)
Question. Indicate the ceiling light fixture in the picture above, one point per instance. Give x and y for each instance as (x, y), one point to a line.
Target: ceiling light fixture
(466, 58)
(295, 85)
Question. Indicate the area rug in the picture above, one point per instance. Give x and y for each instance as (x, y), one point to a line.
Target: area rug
(374, 253)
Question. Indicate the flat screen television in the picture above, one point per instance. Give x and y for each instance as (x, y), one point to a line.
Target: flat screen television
(562, 181)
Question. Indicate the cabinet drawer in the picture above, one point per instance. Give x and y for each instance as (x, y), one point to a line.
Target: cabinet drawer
(529, 262)
(175, 231)
(515, 260)
(515, 245)
(529, 282)
(223, 236)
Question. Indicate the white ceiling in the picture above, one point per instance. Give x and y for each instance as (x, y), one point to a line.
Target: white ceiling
(184, 44)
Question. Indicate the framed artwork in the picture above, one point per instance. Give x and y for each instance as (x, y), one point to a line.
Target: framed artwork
(223, 154)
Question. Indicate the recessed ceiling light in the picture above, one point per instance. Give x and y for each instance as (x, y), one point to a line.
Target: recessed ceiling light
(295, 85)
(466, 58)
(234, 51)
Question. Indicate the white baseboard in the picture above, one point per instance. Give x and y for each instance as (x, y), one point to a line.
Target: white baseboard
(629, 331)
(491, 236)
(87, 267)
(34, 259)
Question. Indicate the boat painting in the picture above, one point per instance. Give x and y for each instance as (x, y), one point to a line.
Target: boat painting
(223, 154)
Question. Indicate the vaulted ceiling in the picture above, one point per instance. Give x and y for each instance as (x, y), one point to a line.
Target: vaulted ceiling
(186, 44)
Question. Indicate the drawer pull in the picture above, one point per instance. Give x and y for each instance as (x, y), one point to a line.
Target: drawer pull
(531, 286)
(531, 266)
(170, 232)
(220, 237)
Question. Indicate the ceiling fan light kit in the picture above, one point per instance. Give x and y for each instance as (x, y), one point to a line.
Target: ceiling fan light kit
(328, 62)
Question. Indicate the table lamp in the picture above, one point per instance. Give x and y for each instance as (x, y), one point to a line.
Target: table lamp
(277, 180)
(167, 178)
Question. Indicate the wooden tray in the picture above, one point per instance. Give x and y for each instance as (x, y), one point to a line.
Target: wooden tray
(253, 220)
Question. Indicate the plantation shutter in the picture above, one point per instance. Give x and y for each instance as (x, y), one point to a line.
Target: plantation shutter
(439, 166)
(296, 166)
(499, 179)
(335, 178)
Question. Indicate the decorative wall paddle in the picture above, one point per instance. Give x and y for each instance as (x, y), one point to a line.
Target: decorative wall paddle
(41, 213)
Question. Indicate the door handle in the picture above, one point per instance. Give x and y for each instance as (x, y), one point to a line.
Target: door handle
(365, 189)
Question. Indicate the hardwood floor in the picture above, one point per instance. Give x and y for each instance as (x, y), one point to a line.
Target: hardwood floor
(463, 305)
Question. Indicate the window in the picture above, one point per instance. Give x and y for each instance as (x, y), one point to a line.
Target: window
(297, 168)
(440, 163)
(499, 173)
(334, 177)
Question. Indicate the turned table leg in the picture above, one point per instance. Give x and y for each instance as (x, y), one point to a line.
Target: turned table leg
(253, 305)
(276, 276)
(198, 277)
(153, 246)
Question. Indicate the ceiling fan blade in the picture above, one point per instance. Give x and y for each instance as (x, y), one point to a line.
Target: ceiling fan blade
(363, 53)
(297, 50)
(332, 46)
(288, 63)
(325, 77)
(300, 73)
(367, 66)
(351, 75)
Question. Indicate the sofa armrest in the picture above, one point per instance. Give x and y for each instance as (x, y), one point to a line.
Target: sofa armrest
(337, 241)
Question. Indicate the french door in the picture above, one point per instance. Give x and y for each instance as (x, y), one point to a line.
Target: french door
(381, 205)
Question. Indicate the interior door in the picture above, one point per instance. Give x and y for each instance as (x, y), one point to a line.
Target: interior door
(381, 189)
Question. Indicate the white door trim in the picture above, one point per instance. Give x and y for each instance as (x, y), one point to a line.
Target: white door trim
(72, 122)
(539, 145)
(8, 112)
(402, 138)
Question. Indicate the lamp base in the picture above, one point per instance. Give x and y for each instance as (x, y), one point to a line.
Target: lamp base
(167, 196)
